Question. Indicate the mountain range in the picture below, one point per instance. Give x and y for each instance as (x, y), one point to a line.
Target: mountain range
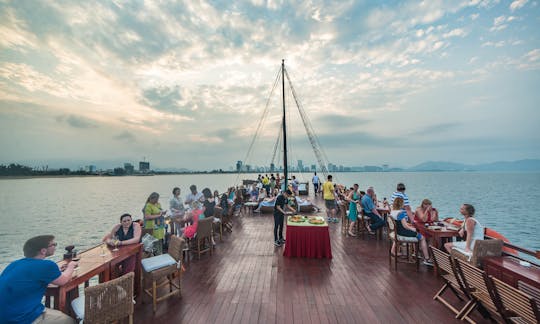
(520, 165)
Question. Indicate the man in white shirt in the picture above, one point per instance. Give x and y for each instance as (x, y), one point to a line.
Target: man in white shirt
(194, 195)
(316, 183)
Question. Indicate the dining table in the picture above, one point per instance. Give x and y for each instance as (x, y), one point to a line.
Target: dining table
(101, 261)
(308, 240)
(438, 233)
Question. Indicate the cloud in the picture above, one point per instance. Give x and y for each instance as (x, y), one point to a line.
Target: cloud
(455, 32)
(125, 136)
(474, 16)
(77, 121)
(517, 4)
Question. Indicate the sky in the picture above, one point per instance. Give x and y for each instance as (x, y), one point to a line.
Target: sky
(185, 84)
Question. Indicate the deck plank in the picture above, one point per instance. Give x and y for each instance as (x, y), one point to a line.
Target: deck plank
(247, 280)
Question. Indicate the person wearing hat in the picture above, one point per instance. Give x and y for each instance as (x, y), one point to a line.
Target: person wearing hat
(400, 192)
(282, 201)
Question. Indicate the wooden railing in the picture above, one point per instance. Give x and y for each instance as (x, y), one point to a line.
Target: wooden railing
(533, 253)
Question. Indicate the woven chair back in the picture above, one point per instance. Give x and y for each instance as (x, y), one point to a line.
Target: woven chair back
(204, 228)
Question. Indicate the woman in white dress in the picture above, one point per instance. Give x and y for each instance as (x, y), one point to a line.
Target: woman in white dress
(471, 226)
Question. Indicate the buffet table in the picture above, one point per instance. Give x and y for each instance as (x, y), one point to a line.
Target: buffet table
(307, 240)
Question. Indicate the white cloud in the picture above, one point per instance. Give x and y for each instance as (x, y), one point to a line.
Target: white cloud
(455, 32)
(517, 4)
(474, 16)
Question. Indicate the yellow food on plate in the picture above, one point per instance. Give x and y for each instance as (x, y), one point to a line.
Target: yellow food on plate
(317, 221)
(297, 219)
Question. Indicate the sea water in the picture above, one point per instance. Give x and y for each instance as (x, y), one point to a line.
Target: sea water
(81, 210)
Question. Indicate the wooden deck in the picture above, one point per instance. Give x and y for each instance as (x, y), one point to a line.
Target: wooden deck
(247, 280)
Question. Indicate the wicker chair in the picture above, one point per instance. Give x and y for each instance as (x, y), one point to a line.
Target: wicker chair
(107, 302)
(482, 249)
(218, 227)
(447, 270)
(203, 240)
(479, 287)
(165, 268)
(516, 306)
(411, 244)
(344, 215)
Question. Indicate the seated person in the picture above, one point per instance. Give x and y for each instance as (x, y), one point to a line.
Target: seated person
(267, 202)
(405, 229)
(471, 226)
(370, 210)
(196, 213)
(24, 282)
(425, 213)
(127, 232)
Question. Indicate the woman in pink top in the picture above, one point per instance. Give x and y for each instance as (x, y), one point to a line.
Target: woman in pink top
(189, 231)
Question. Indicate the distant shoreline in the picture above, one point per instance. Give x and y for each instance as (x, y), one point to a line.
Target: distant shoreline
(15, 177)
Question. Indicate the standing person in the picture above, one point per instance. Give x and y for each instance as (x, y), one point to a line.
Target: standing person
(194, 195)
(272, 184)
(473, 229)
(294, 185)
(176, 206)
(353, 198)
(316, 183)
(371, 211)
(282, 201)
(127, 232)
(154, 217)
(330, 200)
(24, 282)
(400, 192)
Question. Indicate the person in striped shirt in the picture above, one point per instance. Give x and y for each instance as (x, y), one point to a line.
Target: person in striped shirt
(400, 192)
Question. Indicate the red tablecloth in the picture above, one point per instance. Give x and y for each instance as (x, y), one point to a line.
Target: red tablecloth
(308, 242)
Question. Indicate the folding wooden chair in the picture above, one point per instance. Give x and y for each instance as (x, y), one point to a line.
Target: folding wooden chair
(516, 306)
(447, 270)
(479, 287)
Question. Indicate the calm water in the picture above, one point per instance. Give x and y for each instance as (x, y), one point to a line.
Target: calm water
(80, 210)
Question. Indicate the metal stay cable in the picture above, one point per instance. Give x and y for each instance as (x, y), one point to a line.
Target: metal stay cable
(261, 122)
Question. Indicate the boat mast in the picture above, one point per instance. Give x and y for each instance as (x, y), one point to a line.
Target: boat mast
(284, 126)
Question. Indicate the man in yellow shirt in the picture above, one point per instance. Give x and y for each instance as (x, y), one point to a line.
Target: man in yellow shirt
(330, 200)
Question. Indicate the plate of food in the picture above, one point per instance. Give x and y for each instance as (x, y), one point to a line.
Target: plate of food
(297, 219)
(435, 227)
(316, 221)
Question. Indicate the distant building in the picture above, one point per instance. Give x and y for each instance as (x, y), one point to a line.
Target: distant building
(91, 168)
(313, 167)
(238, 166)
(272, 167)
(144, 166)
(129, 168)
(300, 165)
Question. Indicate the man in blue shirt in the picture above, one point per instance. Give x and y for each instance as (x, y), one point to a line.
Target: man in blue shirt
(370, 210)
(23, 284)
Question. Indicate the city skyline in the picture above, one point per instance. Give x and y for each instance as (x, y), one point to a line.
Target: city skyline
(186, 83)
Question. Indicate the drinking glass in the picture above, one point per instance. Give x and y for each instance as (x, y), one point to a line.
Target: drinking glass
(115, 242)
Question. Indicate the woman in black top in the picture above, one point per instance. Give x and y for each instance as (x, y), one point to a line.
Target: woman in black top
(127, 232)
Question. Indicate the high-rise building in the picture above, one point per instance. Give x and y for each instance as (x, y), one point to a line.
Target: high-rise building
(313, 168)
(238, 166)
(300, 165)
(129, 168)
(144, 166)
